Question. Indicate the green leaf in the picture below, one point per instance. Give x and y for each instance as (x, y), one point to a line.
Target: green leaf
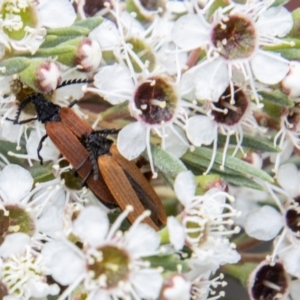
(55, 51)
(168, 262)
(234, 164)
(199, 164)
(90, 23)
(227, 175)
(290, 54)
(274, 111)
(14, 65)
(216, 4)
(239, 271)
(54, 41)
(277, 97)
(280, 2)
(41, 173)
(166, 162)
(69, 31)
(260, 144)
(241, 181)
(6, 147)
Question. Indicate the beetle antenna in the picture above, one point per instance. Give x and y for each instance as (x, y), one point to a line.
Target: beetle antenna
(74, 81)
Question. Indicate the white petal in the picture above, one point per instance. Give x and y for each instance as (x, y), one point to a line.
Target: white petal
(50, 249)
(142, 241)
(288, 178)
(176, 233)
(185, 187)
(295, 289)
(132, 24)
(190, 32)
(276, 21)
(264, 223)
(17, 177)
(14, 244)
(290, 258)
(169, 59)
(290, 84)
(50, 222)
(187, 84)
(211, 79)
(269, 68)
(176, 143)
(178, 289)
(201, 130)
(91, 225)
(106, 34)
(48, 152)
(40, 289)
(132, 140)
(10, 132)
(56, 13)
(147, 284)
(66, 266)
(114, 83)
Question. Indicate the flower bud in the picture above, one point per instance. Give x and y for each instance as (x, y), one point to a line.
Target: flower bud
(290, 84)
(42, 75)
(207, 182)
(176, 287)
(88, 55)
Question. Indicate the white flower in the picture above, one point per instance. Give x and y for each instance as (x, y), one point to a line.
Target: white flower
(228, 118)
(203, 223)
(155, 103)
(109, 264)
(25, 21)
(233, 40)
(23, 206)
(22, 272)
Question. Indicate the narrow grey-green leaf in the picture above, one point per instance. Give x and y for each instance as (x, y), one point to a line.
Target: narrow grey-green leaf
(168, 262)
(277, 97)
(259, 144)
(241, 181)
(199, 164)
(234, 164)
(280, 2)
(69, 31)
(290, 54)
(6, 147)
(90, 23)
(14, 65)
(54, 41)
(41, 173)
(228, 175)
(54, 51)
(166, 162)
(273, 111)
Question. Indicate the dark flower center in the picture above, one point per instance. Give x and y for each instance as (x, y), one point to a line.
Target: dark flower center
(15, 219)
(156, 99)
(112, 267)
(292, 216)
(270, 282)
(235, 37)
(229, 113)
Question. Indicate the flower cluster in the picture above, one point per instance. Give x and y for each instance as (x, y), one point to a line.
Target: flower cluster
(202, 100)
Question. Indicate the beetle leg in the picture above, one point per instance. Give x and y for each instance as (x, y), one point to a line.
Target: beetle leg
(40, 148)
